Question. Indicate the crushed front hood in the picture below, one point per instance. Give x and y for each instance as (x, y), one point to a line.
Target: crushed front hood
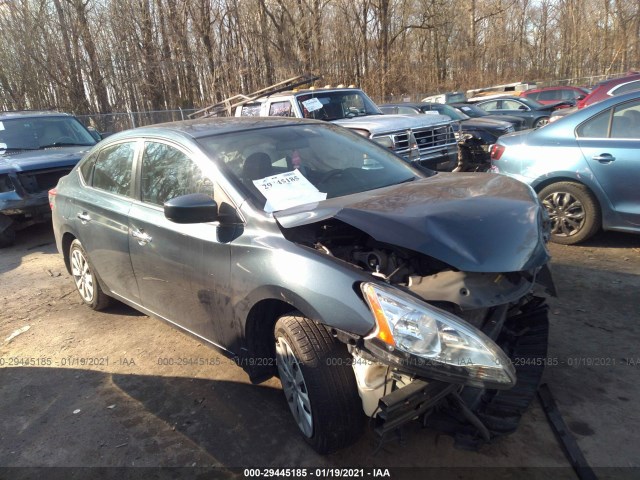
(473, 222)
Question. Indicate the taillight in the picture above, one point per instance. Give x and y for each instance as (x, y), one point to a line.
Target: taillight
(497, 151)
(52, 196)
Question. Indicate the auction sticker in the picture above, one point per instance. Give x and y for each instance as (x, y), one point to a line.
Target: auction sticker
(287, 190)
(312, 104)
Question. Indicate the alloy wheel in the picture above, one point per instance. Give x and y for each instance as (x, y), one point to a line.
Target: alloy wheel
(566, 213)
(294, 386)
(82, 275)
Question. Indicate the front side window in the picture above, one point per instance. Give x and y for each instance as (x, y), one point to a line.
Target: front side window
(112, 171)
(168, 173)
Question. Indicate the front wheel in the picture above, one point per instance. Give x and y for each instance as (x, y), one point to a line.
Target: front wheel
(85, 278)
(318, 383)
(573, 211)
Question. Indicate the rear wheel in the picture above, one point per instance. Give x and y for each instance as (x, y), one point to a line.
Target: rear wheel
(85, 279)
(573, 211)
(318, 383)
(541, 122)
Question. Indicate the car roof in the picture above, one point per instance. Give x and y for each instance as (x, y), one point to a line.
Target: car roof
(616, 81)
(557, 87)
(7, 115)
(204, 127)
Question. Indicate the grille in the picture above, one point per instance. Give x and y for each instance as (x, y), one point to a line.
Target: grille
(434, 137)
(42, 180)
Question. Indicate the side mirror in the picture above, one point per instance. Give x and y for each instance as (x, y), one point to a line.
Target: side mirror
(192, 208)
(523, 107)
(95, 134)
(580, 97)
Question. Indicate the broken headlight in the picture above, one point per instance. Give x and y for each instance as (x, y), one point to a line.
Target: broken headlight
(437, 342)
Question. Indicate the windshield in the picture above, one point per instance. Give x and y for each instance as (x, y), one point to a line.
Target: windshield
(284, 166)
(531, 103)
(336, 105)
(35, 133)
(443, 109)
(471, 110)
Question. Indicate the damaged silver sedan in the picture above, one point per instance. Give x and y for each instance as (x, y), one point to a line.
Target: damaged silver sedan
(304, 251)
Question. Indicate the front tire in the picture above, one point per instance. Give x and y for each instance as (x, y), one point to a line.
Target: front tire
(85, 278)
(318, 383)
(573, 210)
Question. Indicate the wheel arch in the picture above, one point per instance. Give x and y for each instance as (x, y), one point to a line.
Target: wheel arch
(67, 239)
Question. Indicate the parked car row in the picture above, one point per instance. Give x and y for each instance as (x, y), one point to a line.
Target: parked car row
(474, 135)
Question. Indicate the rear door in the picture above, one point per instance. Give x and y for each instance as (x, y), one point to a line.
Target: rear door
(182, 269)
(610, 143)
(100, 215)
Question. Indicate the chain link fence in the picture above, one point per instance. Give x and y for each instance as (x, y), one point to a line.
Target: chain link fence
(116, 122)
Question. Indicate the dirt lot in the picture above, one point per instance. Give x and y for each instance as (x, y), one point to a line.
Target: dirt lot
(96, 390)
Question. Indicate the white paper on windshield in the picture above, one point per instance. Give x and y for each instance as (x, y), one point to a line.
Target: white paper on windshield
(312, 104)
(287, 190)
(432, 112)
(1, 126)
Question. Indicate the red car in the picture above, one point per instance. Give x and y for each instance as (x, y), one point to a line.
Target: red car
(548, 95)
(610, 88)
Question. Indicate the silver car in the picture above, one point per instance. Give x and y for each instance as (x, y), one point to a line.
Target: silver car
(303, 250)
(584, 167)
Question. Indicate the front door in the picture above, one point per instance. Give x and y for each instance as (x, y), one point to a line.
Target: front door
(182, 269)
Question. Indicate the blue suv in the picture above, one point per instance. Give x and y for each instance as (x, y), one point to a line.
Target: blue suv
(36, 149)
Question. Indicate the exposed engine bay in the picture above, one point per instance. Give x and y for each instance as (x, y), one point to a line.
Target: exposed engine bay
(462, 293)
(501, 305)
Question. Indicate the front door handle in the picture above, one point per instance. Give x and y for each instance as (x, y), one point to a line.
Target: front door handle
(141, 237)
(84, 217)
(604, 158)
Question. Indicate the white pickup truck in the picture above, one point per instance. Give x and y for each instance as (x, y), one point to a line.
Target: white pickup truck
(426, 139)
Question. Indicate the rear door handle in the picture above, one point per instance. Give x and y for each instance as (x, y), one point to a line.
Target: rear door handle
(84, 217)
(604, 158)
(141, 237)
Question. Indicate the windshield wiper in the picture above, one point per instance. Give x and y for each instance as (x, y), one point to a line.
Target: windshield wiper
(16, 149)
(407, 180)
(65, 144)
